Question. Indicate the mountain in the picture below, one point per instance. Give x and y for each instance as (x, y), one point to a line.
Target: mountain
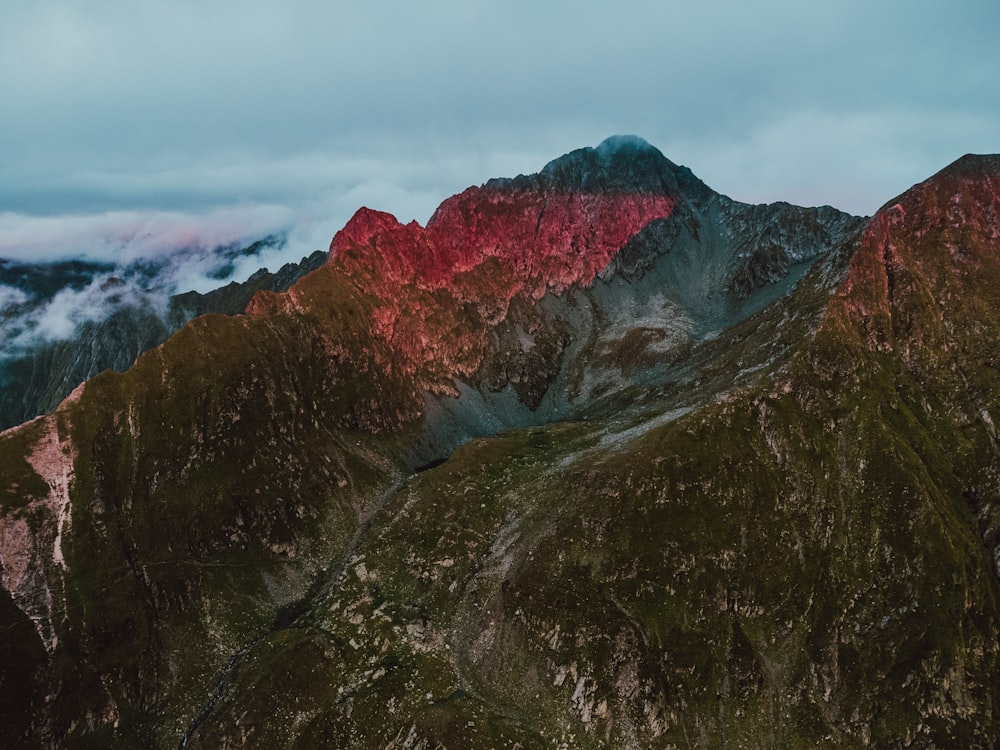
(35, 380)
(596, 458)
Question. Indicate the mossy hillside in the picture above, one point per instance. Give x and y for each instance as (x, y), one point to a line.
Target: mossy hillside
(199, 513)
(734, 574)
(758, 551)
(22, 692)
(936, 284)
(326, 697)
(25, 505)
(912, 469)
(472, 497)
(626, 607)
(393, 605)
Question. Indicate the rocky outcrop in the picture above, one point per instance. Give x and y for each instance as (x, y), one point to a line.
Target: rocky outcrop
(31, 551)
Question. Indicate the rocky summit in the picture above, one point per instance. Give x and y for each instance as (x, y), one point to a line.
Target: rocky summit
(597, 458)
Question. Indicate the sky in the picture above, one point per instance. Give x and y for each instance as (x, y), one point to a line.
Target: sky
(132, 128)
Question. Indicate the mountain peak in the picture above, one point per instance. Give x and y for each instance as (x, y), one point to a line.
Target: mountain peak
(974, 165)
(302, 524)
(967, 191)
(616, 144)
(621, 163)
(977, 172)
(918, 251)
(365, 224)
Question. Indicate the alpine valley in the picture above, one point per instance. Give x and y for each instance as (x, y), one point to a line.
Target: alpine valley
(597, 458)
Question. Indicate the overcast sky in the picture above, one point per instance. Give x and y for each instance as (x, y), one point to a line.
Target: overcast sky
(173, 121)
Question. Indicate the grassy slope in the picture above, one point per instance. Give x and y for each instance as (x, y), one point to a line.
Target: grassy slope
(800, 559)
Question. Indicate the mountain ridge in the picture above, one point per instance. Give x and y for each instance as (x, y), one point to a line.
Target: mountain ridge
(707, 446)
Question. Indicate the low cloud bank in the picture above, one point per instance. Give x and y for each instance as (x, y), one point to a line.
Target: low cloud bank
(127, 236)
(58, 273)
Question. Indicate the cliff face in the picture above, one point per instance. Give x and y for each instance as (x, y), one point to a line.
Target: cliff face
(747, 493)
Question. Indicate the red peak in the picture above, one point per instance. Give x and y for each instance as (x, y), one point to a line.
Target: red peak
(934, 246)
(972, 166)
(972, 180)
(363, 228)
(545, 239)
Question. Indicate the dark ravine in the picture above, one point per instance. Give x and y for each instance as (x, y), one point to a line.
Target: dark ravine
(221, 684)
(598, 458)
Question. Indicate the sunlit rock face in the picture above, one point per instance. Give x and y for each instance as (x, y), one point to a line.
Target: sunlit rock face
(597, 458)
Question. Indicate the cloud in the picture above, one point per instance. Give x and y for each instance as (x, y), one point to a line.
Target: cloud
(29, 322)
(11, 297)
(127, 236)
(59, 317)
(151, 255)
(187, 106)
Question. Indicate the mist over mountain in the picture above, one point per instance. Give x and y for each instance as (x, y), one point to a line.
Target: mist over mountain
(598, 457)
(67, 321)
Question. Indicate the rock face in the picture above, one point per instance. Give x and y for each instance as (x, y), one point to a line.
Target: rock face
(597, 458)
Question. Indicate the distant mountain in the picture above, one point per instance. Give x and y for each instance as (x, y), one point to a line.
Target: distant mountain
(597, 458)
(34, 379)
(41, 280)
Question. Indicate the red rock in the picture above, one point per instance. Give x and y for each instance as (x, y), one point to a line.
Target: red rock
(936, 243)
(481, 248)
(548, 242)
